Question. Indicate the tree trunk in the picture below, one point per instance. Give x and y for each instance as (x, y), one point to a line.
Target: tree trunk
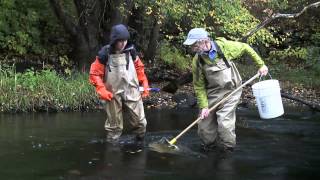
(87, 43)
(91, 31)
(129, 6)
(83, 43)
(139, 24)
(111, 15)
(153, 42)
(121, 17)
(81, 52)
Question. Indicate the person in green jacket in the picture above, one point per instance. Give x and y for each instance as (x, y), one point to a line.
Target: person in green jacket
(215, 76)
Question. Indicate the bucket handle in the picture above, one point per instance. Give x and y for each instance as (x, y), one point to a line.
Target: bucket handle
(264, 76)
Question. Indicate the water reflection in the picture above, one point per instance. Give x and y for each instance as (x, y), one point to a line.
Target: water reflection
(72, 146)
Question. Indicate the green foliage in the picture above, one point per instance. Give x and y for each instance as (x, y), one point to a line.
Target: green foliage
(18, 27)
(172, 56)
(220, 17)
(30, 27)
(235, 21)
(34, 91)
(312, 57)
(277, 4)
(306, 55)
(308, 77)
(315, 38)
(26, 26)
(289, 53)
(283, 72)
(306, 65)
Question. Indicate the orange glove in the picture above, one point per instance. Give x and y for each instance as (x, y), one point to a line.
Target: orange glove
(104, 94)
(96, 78)
(142, 78)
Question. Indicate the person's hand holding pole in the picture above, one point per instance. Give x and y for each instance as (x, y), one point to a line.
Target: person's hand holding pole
(204, 113)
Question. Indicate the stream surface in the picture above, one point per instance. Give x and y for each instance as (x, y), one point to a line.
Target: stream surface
(72, 146)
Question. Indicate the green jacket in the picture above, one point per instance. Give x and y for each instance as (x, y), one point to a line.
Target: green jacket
(232, 50)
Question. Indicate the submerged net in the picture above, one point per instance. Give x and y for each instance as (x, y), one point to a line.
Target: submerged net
(163, 146)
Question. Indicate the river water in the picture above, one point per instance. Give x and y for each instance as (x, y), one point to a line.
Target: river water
(72, 146)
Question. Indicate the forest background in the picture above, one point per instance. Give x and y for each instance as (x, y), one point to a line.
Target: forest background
(46, 47)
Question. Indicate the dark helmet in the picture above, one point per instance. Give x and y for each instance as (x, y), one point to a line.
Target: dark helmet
(119, 32)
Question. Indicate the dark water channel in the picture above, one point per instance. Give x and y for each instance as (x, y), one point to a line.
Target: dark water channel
(72, 146)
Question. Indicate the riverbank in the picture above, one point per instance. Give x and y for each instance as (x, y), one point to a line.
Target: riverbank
(47, 91)
(184, 97)
(161, 75)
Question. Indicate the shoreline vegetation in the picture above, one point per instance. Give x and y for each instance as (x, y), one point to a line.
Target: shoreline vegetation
(44, 91)
(48, 91)
(57, 37)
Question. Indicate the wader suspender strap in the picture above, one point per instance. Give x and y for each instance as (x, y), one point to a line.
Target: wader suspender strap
(201, 60)
(127, 59)
(199, 66)
(108, 66)
(220, 53)
(107, 55)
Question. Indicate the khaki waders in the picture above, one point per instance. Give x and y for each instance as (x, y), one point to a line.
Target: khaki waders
(122, 81)
(220, 123)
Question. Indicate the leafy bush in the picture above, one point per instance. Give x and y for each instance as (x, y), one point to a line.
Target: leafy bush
(172, 56)
(289, 53)
(26, 27)
(43, 90)
(220, 17)
(306, 56)
(19, 30)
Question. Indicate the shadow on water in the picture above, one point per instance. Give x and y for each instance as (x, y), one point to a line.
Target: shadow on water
(72, 146)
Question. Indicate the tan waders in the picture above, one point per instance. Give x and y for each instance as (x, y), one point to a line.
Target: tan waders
(122, 81)
(220, 124)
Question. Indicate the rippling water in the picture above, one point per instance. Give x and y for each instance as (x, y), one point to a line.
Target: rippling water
(72, 146)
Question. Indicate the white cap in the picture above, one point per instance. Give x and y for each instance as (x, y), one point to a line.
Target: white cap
(194, 35)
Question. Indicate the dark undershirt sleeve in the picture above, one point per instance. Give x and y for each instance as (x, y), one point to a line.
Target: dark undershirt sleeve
(133, 53)
(102, 56)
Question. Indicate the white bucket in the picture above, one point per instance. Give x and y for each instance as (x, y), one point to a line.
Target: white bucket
(268, 98)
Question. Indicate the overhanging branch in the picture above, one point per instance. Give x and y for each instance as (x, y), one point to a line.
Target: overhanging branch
(276, 16)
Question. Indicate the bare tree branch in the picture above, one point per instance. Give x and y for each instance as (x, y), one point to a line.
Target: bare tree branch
(276, 16)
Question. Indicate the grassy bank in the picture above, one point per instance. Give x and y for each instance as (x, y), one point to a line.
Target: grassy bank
(296, 82)
(44, 91)
(292, 76)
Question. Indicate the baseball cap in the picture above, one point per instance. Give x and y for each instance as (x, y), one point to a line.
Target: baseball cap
(194, 35)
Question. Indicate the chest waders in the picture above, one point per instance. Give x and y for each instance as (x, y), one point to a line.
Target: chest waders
(121, 80)
(221, 78)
